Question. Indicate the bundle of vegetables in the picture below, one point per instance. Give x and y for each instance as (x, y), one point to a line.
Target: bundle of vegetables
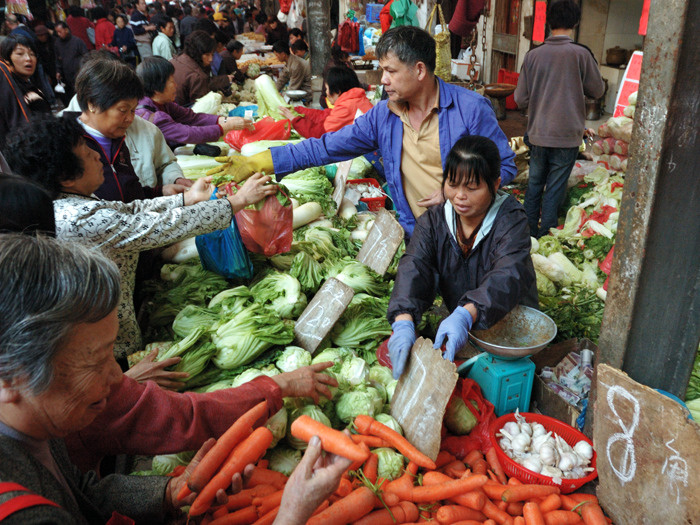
(692, 394)
(310, 185)
(209, 103)
(269, 99)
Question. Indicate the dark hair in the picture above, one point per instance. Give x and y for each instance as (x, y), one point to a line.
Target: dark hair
(261, 18)
(563, 14)
(160, 21)
(8, 45)
(338, 55)
(25, 207)
(98, 54)
(473, 159)
(199, 43)
(187, 9)
(299, 45)
(234, 45)
(154, 73)
(206, 25)
(123, 17)
(61, 24)
(410, 45)
(280, 47)
(272, 20)
(106, 82)
(75, 10)
(42, 151)
(221, 38)
(296, 32)
(341, 79)
(98, 12)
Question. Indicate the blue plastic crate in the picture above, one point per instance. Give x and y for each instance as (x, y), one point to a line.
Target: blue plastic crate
(506, 384)
(372, 13)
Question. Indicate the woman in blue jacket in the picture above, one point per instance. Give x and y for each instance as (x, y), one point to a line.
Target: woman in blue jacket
(477, 243)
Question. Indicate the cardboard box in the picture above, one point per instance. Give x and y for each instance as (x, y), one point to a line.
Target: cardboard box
(544, 398)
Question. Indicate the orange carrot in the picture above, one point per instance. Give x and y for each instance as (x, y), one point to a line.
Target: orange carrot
(263, 463)
(184, 492)
(494, 491)
(371, 441)
(245, 497)
(525, 492)
(474, 499)
(495, 464)
(455, 469)
(501, 505)
(519, 520)
(567, 502)
(446, 490)
(479, 466)
(581, 497)
(592, 514)
(368, 425)
(206, 520)
(333, 441)
(370, 468)
(469, 522)
(240, 517)
(323, 506)
(344, 488)
(490, 522)
(351, 508)
(263, 476)
(443, 458)
(268, 518)
(216, 456)
(473, 456)
(402, 513)
(355, 465)
(453, 513)
(499, 516)
(550, 503)
(561, 517)
(265, 504)
(390, 499)
(402, 485)
(515, 508)
(221, 511)
(514, 481)
(247, 452)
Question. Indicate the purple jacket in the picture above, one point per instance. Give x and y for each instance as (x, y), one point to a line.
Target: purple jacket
(180, 125)
(462, 113)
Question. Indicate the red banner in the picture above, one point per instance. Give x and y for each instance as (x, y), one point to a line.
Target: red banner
(645, 18)
(540, 20)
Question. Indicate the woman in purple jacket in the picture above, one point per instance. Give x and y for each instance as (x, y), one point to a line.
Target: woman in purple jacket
(179, 125)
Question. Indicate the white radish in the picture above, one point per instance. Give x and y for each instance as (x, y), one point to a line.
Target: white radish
(305, 214)
(347, 209)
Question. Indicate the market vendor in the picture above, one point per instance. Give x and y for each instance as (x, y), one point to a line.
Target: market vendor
(477, 243)
(296, 74)
(414, 130)
(179, 125)
(59, 302)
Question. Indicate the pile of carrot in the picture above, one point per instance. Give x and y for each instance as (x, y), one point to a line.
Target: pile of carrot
(446, 491)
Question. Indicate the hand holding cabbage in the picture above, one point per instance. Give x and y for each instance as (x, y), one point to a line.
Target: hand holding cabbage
(308, 381)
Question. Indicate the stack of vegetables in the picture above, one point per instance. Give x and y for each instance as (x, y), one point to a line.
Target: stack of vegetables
(692, 394)
(612, 149)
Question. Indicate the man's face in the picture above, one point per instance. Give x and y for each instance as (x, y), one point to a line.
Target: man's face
(282, 57)
(141, 6)
(63, 32)
(400, 80)
(169, 29)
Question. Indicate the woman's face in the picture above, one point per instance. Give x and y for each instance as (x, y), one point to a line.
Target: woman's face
(169, 91)
(93, 174)
(23, 61)
(114, 121)
(120, 22)
(331, 97)
(84, 373)
(469, 199)
(207, 58)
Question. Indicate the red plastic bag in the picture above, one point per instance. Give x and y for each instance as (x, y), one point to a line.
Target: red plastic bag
(267, 228)
(265, 129)
(478, 438)
(606, 265)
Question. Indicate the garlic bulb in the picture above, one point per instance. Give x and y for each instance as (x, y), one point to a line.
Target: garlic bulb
(521, 443)
(548, 455)
(567, 461)
(552, 472)
(511, 428)
(584, 449)
(526, 428)
(538, 430)
(541, 439)
(533, 463)
(504, 443)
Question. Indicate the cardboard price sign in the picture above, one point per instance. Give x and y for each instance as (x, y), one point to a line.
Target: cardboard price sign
(648, 453)
(319, 316)
(382, 242)
(421, 396)
(341, 177)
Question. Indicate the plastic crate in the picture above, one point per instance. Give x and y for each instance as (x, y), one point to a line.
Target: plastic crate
(509, 77)
(566, 432)
(372, 13)
(373, 203)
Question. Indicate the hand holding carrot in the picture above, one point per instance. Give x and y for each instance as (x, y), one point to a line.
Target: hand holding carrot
(313, 481)
(307, 381)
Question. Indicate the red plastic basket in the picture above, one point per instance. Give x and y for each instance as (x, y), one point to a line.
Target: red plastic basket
(566, 432)
(373, 203)
(509, 77)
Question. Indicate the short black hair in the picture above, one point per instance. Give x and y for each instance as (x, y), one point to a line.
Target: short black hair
(234, 45)
(206, 25)
(98, 54)
(104, 83)
(42, 151)
(296, 32)
(261, 18)
(154, 73)
(98, 12)
(563, 14)
(75, 10)
(299, 45)
(160, 21)
(341, 79)
(25, 207)
(473, 159)
(410, 45)
(8, 45)
(187, 9)
(61, 24)
(221, 38)
(123, 17)
(199, 43)
(280, 47)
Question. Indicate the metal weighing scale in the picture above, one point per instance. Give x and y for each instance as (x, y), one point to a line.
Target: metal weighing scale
(503, 369)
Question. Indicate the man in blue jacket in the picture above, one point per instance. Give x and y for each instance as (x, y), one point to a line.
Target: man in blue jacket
(414, 129)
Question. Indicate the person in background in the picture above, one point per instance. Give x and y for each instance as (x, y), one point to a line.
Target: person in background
(104, 29)
(477, 243)
(296, 34)
(345, 98)
(163, 42)
(300, 49)
(217, 65)
(80, 26)
(276, 31)
(192, 71)
(175, 13)
(261, 23)
(15, 26)
(230, 57)
(553, 84)
(69, 52)
(179, 125)
(124, 41)
(297, 71)
(339, 58)
(224, 24)
(188, 21)
(142, 27)
(46, 53)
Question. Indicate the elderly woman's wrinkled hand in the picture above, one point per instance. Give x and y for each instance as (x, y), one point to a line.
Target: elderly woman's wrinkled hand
(255, 189)
(307, 381)
(200, 191)
(314, 479)
(148, 369)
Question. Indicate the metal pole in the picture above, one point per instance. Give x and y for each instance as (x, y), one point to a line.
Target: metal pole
(651, 325)
(319, 30)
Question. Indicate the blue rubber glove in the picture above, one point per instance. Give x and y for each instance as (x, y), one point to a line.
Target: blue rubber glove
(400, 345)
(456, 329)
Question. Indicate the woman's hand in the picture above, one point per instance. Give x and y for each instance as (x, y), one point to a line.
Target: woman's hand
(432, 200)
(199, 191)
(182, 181)
(286, 112)
(230, 123)
(243, 69)
(174, 189)
(255, 189)
(149, 370)
(314, 479)
(307, 381)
